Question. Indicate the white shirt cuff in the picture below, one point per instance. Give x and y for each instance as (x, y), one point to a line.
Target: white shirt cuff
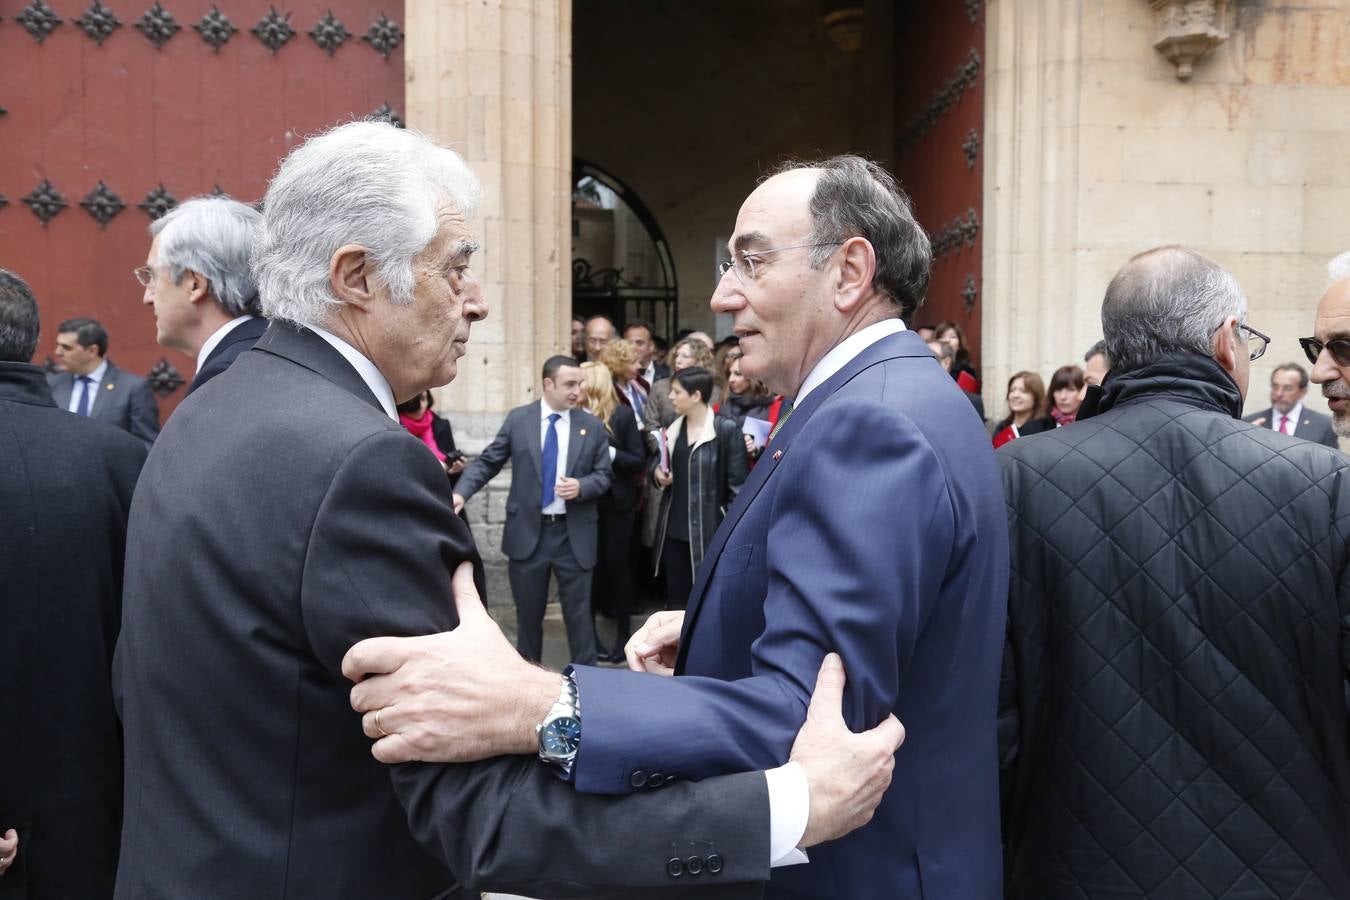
(789, 808)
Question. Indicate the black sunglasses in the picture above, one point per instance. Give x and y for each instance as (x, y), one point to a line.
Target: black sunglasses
(1339, 348)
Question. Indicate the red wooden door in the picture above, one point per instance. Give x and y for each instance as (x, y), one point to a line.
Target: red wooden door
(939, 142)
(156, 103)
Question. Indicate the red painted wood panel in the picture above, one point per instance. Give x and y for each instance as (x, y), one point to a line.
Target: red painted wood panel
(136, 116)
(938, 44)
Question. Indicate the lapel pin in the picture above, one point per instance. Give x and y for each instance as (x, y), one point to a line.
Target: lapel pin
(777, 455)
(583, 432)
(109, 387)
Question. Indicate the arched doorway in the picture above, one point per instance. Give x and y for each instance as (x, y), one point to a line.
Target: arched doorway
(621, 262)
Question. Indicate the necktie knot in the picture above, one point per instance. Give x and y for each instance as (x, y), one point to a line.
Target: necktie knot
(553, 418)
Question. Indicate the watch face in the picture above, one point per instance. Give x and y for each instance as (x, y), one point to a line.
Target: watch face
(561, 736)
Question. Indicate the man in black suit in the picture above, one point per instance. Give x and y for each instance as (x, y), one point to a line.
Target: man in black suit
(197, 280)
(65, 489)
(650, 367)
(91, 385)
(283, 516)
(1287, 414)
(559, 468)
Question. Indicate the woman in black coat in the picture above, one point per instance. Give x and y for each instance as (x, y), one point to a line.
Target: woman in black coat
(612, 586)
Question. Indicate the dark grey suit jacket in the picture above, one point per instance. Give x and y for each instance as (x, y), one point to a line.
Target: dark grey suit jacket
(519, 441)
(281, 517)
(1311, 426)
(124, 400)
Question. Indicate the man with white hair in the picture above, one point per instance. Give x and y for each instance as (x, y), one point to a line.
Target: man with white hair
(247, 774)
(1329, 348)
(197, 280)
(1173, 720)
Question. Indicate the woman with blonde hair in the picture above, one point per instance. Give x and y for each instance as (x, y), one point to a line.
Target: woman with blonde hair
(612, 586)
(621, 358)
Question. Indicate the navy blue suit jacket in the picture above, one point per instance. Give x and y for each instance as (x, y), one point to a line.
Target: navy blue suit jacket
(241, 337)
(873, 526)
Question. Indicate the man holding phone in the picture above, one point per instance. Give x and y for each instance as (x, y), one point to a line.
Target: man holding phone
(560, 466)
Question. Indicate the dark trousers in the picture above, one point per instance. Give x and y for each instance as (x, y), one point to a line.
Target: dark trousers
(529, 589)
(679, 573)
(612, 587)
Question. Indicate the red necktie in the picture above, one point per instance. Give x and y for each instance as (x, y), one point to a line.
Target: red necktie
(1284, 424)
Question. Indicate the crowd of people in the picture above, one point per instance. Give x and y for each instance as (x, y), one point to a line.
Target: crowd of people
(249, 656)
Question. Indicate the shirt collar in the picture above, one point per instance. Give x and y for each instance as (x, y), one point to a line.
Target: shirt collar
(842, 353)
(216, 337)
(364, 367)
(97, 375)
(1294, 414)
(545, 411)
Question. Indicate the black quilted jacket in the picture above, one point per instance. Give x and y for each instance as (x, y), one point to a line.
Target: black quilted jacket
(1173, 719)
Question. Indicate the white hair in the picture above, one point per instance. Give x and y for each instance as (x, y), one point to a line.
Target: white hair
(1339, 267)
(365, 183)
(1166, 300)
(212, 236)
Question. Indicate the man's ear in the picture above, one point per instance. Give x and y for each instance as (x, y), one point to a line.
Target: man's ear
(856, 270)
(198, 287)
(349, 275)
(1222, 346)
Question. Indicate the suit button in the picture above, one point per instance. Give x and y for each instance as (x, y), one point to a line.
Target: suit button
(655, 780)
(714, 863)
(694, 865)
(674, 867)
(638, 779)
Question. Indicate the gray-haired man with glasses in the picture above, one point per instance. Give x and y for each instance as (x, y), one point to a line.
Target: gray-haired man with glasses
(1173, 718)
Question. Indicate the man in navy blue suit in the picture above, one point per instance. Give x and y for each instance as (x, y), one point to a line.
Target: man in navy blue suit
(873, 526)
(197, 280)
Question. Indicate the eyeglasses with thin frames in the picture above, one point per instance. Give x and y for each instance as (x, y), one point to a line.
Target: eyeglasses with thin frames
(744, 265)
(144, 274)
(1252, 334)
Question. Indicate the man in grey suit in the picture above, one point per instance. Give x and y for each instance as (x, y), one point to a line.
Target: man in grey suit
(90, 385)
(1287, 414)
(559, 467)
(284, 515)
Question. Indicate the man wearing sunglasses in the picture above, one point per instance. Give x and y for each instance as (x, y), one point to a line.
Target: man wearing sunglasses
(1173, 719)
(1329, 349)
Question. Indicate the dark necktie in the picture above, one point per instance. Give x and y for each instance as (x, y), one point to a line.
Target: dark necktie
(86, 388)
(550, 461)
(783, 415)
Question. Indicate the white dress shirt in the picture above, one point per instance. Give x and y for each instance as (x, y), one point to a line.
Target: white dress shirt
(559, 506)
(77, 387)
(216, 337)
(1294, 415)
(844, 352)
(364, 367)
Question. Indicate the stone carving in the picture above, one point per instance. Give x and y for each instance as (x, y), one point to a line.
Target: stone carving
(98, 22)
(102, 204)
(215, 29)
(158, 25)
(164, 378)
(1187, 30)
(329, 33)
(274, 30)
(39, 19)
(45, 201)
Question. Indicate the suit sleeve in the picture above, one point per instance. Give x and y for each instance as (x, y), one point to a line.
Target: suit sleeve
(595, 482)
(487, 464)
(144, 413)
(832, 585)
(381, 551)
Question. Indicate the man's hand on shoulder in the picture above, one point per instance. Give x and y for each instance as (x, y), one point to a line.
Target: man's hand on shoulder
(654, 646)
(847, 773)
(458, 696)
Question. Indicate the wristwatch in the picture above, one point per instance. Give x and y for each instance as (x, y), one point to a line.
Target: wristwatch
(560, 732)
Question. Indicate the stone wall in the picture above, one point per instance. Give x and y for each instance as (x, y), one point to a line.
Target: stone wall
(1097, 151)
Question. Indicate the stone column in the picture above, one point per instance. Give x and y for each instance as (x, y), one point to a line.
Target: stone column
(493, 78)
